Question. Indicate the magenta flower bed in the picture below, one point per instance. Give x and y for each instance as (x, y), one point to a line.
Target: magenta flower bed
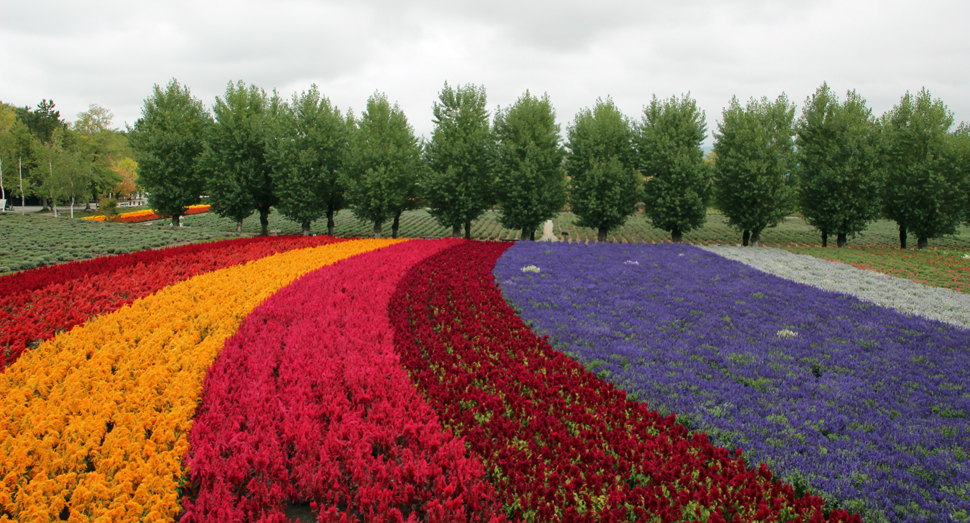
(309, 403)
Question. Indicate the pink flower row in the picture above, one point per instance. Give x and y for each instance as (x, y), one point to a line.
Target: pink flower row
(309, 404)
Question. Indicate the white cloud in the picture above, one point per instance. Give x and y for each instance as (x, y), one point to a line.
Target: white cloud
(112, 52)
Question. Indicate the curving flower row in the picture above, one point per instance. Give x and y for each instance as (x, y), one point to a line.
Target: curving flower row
(559, 444)
(94, 423)
(360, 380)
(146, 215)
(42, 302)
(309, 402)
(861, 404)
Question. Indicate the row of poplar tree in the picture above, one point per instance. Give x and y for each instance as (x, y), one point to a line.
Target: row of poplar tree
(837, 165)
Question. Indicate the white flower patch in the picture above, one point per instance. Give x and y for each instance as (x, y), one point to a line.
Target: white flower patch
(906, 296)
(530, 268)
(786, 334)
(631, 262)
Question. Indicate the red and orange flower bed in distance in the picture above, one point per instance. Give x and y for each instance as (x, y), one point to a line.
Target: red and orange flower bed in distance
(146, 215)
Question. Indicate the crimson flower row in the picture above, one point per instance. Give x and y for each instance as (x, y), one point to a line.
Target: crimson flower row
(63, 296)
(308, 404)
(559, 444)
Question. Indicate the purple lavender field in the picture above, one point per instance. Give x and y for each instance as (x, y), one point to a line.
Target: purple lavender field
(851, 401)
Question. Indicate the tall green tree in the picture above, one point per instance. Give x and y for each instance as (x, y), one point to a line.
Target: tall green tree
(167, 142)
(755, 155)
(604, 184)
(530, 175)
(385, 167)
(8, 120)
(840, 164)
(678, 180)
(101, 147)
(306, 158)
(923, 179)
(239, 178)
(461, 156)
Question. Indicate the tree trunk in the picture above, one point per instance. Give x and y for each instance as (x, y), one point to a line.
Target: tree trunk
(456, 231)
(744, 238)
(305, 226)
(525, 235)
(532, 235)
(825, 239)
(676, 236)
(601, 235)
(468, 230)
(239, 226)
(175, 220)
(755, 237)
(377, 228)
(264, 221)
(395, 225)
(841, 239)
(922, 242)
(330, 223)
(902, 236)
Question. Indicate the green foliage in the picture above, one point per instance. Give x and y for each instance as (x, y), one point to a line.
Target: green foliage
(461, 155)
(306, 157)
(754, 150)
(384, 165)
(530, 178)
(678, 180)
(840, 169)
(604, 185)
(34, 241)
(167, 142)
(237, 174)
(924, 179)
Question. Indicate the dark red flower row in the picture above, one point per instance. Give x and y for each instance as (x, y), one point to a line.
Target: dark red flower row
(558, 443)
(308, 403)
(62, 296)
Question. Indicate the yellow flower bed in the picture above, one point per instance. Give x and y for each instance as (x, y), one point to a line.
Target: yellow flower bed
(94, 423)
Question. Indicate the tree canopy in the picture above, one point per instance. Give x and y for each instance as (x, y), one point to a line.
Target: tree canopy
(604, 185)
(924, 179)
(384, 167)
(306, 158)
(678, 180)
(461, 155)
(530, 177)
(840, 164)
(237, 174)
(754, 157)
(167, 142)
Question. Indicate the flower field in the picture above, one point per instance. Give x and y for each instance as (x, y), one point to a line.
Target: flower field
(390, 380)
(859, 404)
(146, 215)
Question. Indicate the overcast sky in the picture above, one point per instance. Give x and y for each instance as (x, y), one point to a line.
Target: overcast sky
(111, 53)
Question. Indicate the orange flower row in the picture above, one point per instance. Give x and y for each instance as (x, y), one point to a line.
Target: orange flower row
(94, 423)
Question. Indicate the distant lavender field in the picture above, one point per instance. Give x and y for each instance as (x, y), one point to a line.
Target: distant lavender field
(855, 402)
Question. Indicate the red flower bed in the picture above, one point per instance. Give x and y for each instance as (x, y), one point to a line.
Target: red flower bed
(559, 444)
(63, 296)
(308, 404)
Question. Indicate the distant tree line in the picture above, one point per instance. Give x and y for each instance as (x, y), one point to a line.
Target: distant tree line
(45, 157)
(836, 164)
